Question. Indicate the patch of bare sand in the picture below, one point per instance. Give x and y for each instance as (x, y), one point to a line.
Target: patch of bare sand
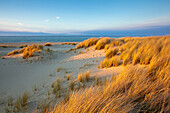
(90, 60)
(23, 76)
(91, 53)
(14, 56)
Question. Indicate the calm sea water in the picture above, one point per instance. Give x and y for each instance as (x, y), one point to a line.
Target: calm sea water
(14, 39)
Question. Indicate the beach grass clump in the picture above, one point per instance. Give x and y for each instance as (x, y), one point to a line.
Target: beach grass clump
(81, 52)
(136, 88)
(68, 76)
(48, 44)
(126, 59)
(117, 42)
(15, 52)
(101, 43)
(30, 50)
(22, 46)
(108, 46)
(21, 102)
(35, 88)
(21, 50)
(10, 101)
(72, 84)
(110, 62)
(17, 105)
(43, 106)
(136, 58)
(69, 43)
(4, 46)
(111, 52)
(57, 85)
(59, 69)
(24, 99)
(142, 50)
(87, 43)
(82, 77)
(9, 54)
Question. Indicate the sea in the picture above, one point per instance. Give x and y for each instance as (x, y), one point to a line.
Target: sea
(16, 39)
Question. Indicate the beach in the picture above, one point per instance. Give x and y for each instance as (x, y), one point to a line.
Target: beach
(63, 76)
(20, 75)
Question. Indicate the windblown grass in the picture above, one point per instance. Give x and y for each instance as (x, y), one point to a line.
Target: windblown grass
(136, 89)
(48, 44)
(4, 46)
(111, 52)
(59, 69)
(27, 51)
(30, 50)
(142, 50)
(110, 62)
(69, 43)
(57, 86)
(68, 76)
(117, 42)
(22, 46)
(101, 43)
(82, 77)
(72, 84)
(87, 43)
(21, 103)
(108, 46)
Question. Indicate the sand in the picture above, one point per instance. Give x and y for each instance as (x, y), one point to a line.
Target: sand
(19, 75)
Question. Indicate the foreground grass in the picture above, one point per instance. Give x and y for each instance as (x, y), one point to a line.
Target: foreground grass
(137, 89)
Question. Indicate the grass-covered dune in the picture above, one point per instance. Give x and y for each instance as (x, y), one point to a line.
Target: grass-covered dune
(143, 86)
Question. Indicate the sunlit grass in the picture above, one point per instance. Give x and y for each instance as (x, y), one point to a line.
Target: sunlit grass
(48, 44)
(101, 43)
(136, 89)
(111, 52)
(87, 43)
(82, 77)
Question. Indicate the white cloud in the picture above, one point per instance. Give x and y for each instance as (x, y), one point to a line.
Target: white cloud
(20, 24)
(57, 17)
(46, 20)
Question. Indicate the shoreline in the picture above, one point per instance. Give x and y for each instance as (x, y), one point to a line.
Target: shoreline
(17, 44)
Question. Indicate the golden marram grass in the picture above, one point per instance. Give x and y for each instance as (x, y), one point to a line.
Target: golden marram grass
(139, 88)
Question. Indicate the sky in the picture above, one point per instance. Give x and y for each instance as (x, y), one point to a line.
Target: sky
(73, 16)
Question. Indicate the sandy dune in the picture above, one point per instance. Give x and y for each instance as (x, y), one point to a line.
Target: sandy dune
(19, 75)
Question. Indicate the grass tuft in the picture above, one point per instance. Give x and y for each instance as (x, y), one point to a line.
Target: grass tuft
(111, 52)
(101, 43)
(87, 43)
(59, 69)
(82, 77)
(68, 76)
(72, 84)
(111, 62)
(48, 44)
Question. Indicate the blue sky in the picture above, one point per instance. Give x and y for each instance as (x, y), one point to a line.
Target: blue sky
(66, 16)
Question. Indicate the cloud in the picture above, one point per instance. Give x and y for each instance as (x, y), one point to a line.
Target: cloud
(57, 17)
(20, 24)
(46, 20)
